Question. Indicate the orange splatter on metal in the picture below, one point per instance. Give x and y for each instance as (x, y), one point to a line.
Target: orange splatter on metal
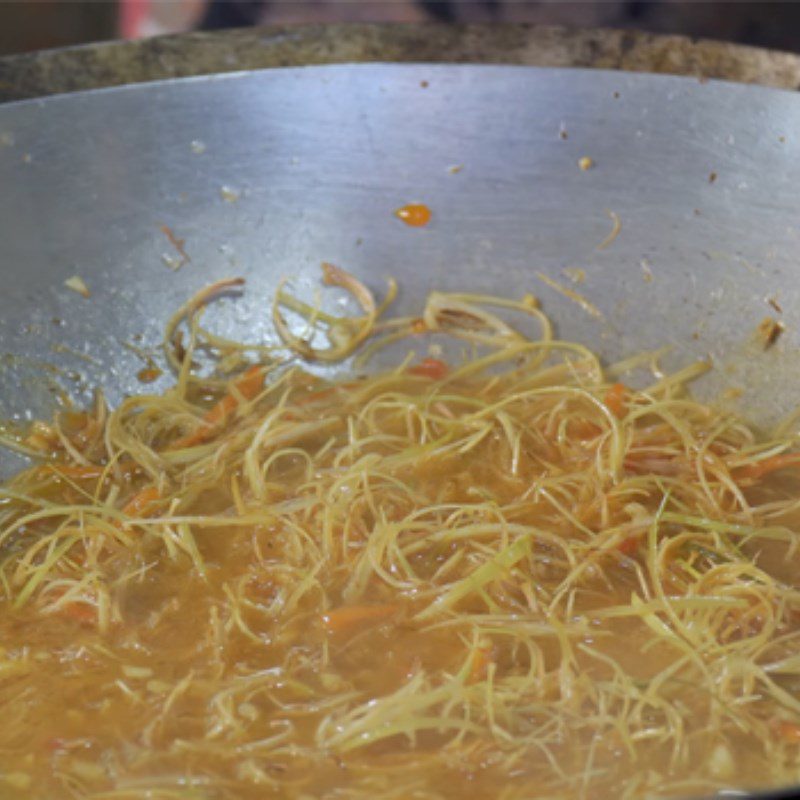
(149, 374)
(414, 214)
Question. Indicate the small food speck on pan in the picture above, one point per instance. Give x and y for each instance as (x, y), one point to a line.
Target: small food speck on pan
(712, 177)
(562, 132)
(229, 195)
(198, 147)
(454, 169)
(775, 304)
(6, 139)
(575, 274)
(149, 374)
(151, 371)
(733, 393)
(647, 272)
(782, 139)
(78, 285)
(173, 262)
(769, 330)
(585, 163)
(616, 227)
(27, 158)
(424, 84)
(416, 215)
(178, 244)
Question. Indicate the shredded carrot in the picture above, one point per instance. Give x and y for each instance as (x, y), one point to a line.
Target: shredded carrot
(140, 503)
(346, 617)
(55, 743)
(80, 612)
(149, 374)
(759, 469)
(247, 387)
(628, 546)
(431, 368)
(616, 400)
(77, 611)
(789, 731)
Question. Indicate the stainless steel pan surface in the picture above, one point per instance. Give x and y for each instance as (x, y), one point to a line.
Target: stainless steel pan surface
(267, 174)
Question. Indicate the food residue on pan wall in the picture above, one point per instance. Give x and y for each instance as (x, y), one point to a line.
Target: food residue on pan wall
(575, 274)
(77, 284)
(149, 374)
(585, 163)
(416, 215)
(171, 261)
(769, 330)
(616, 227)
(732, 393)
(151, 371)
(229, 194)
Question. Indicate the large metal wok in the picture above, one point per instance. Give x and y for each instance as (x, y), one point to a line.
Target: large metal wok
(267, 174)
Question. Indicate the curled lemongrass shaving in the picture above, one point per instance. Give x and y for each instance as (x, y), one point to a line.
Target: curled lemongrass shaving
(179, 356)
(616, 227)
(344, 334)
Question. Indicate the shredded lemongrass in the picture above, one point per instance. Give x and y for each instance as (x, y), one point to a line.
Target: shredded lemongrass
(589, 307)
(509, 577)
(344, 334)
(616, 227)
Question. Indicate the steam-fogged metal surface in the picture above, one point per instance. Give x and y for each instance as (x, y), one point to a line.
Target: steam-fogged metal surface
(269, 173)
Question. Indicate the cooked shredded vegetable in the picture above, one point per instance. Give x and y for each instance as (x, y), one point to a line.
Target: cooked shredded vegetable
(616, 227)
(516, 576)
